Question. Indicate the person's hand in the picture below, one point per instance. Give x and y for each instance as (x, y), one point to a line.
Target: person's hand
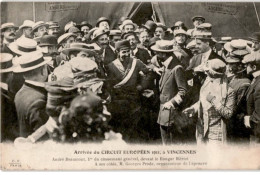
(189, 111)
(168, 105)
(247, 121)
(210, 97)
(158, 70)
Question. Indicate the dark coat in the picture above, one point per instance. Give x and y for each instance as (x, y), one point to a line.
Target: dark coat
(253, 106)
(30, 102)
(143, 55)
(109, 56)
(172, 84)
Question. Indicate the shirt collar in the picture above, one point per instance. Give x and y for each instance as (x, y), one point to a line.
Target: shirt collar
(35, 83)
(4, 86)
(256, 74)
(167, 62)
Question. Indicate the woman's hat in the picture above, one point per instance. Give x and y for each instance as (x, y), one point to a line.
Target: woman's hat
(79, 47)
(31, 61)
(163, 46)
(6, 62)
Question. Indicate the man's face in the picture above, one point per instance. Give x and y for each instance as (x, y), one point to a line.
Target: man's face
(104, 24)
(180, 38)
(54, 31)
(69, 41)
(124, 54)
(115, 39)
(232, 68)
(41, 31)
(255, 46)
(197, 22)
(162, 56)
(103, 40)
(132, 41)
(85, 30)
(250, 68)
(128, 28)
(27, 32)
(202, 46)
(159, 33)
(10, 33)
(144, 39)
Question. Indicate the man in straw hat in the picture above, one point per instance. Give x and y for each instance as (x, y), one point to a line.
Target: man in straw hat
(172, 86)
(197, 20)
(124, 76)
(215, 106)
(53, 28)
(26, 29)
(30, 100)
(8, 32)
(114, 36)
(9, 122)
(39, 29)
(252, 118)
(128, 26)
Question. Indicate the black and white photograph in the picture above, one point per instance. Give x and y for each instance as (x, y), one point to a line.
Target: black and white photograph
(130, 85)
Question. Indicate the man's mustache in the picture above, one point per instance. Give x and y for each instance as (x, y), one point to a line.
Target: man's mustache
(12, 34)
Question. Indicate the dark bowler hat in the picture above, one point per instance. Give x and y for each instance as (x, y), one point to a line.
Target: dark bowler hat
(102, 19)
(124, 44)
(48, 40)
(6, 62)
(84, 23)
(198, 17)
(179, 24)
(127, 34)
(255, 37)
(150, 25)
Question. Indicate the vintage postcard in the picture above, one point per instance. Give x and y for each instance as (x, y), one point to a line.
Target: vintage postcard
(130, 85)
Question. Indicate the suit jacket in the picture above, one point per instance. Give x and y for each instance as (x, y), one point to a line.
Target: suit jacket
(173, 87)
(30, 102)
(253, 105)
(143, 55)
(109, 55)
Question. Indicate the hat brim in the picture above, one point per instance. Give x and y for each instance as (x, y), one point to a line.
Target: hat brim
(66, 51)
(121, 27)
(14, 48)
(10, 69)
(198, 17)
(107, 32)
(230, 60)
(19, 69)
(154, 48)
(24, 26)
(16, 28)
(33, 29)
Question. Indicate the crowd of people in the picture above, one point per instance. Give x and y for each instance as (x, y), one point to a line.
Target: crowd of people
(151, 83)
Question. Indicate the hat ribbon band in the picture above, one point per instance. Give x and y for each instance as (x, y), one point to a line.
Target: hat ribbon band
(6, 65)
(33, 63)
(26, 49)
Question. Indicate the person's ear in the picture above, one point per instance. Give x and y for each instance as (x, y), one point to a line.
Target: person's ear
(254, 67)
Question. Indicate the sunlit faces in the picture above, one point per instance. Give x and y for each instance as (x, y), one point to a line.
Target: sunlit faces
(144, 38)
(104, 24)
(180, 38)
(124, 54)
(159, 32)
(85, 29)
(255, 45)
(132, 40)
(103, 41)
(40, 31)
(9, 33)
(128, 28)
(197, 22)
(202, 46)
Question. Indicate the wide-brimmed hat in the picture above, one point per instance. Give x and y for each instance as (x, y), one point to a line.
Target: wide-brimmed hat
(225, 39)
(215, 66)
(38, 24)
(48, 40)
(198, 17)
(206, 26)
(237, 47)
(179, 24)
(128, 22)
(115, 33)
(202, 35)
(79, 47)
(6, 63)
(27, 23)
(65, 36)
(23, 45)
(163, 46)
(255, 37)
(52, 24)
(150, 25)
(99, 32)
(179, 31)
(84, 23)
(8, 25)
(252, 58)
(123, 44)
(31, 61)
(101, 19)
(233, 59)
